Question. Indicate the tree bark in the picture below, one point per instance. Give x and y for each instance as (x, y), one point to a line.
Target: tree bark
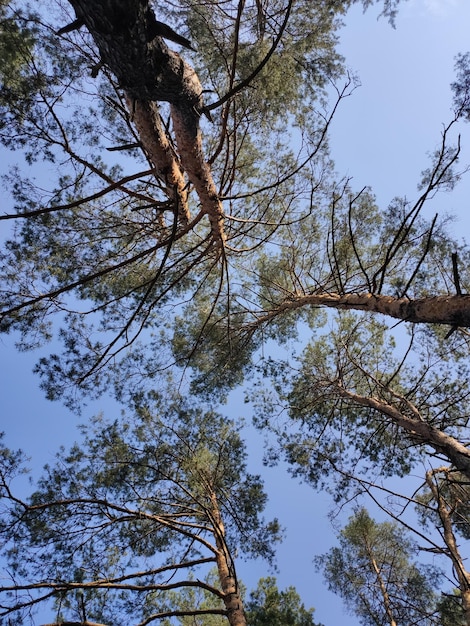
(449, 538)
(148, 72)
(383, 588)
(75, 624)
(160, 152)
(232, 600)
(452, 310)
(417, 429)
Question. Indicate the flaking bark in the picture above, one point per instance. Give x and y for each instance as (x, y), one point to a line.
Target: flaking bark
(155, 142)
(446, 309)
(232, 599)
(149, 71)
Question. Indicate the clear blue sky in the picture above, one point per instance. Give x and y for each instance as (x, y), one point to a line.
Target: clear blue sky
(380, 138)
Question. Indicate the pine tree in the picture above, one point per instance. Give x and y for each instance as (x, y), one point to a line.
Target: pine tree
(373, 572)
(139, 509)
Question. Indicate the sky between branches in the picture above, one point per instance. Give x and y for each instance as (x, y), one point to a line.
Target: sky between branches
(381, 137)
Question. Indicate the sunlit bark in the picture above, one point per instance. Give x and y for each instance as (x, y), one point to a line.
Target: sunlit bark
(451, 310)
(444, 512)
(161, 153)
(149, 71)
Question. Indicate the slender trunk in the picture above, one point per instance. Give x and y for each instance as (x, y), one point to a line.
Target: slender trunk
(383, 589)
(232, 600)
(449, 538)
(419, 430)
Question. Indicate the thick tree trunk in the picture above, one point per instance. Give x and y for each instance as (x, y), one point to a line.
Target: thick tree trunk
(144, 66)
(189, 141)
(146, 118)
(451, 310)
(148, 72)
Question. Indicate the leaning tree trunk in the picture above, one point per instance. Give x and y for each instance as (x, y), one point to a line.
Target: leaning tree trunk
(453, 310)
(415, 427)
(444, 512)
(130, 44)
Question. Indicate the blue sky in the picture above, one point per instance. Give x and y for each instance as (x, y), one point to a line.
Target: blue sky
(383, 133)
(381, 138)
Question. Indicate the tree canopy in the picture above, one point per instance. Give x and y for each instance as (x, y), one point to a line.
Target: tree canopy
(372, 570)
(178, 227)
(142, 505)
(158, 213)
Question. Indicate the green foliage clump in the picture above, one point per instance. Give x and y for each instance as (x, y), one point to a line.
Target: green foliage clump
(373, 572)
(268, 606)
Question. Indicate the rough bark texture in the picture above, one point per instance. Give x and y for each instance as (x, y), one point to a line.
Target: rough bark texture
(148, 72)
(145, 67)
(452, 310)
(443, 510)
(232, 600)
(147, 120)
(198, 171)
(419, 430)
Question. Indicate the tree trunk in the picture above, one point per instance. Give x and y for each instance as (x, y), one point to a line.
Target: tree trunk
(148, 72)
(417, 429)
(383, 588)
(466, 605)
(233, 602)
(75, 624)
(160, 152)
(449, 539)
(452, 310)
